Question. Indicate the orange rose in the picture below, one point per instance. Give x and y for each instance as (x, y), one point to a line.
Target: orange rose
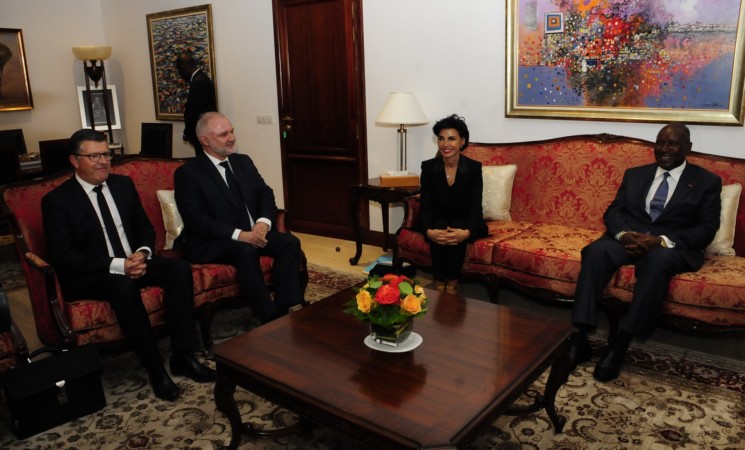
(411, 304)
(364, 301)
(387, 294)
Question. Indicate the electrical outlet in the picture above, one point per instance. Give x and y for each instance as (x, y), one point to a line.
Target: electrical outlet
(264, 119)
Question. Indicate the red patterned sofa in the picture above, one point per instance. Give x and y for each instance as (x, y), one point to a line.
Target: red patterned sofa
(68, 324)
(561, 189)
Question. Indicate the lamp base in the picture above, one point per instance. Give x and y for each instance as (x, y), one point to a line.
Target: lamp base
(403, 180)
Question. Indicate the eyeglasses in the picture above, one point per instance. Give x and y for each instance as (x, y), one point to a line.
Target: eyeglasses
(95, 156)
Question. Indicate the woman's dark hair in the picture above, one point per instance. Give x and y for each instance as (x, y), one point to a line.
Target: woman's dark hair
(456, 122)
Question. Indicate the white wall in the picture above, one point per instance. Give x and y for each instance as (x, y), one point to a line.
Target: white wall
(50, 30)
(450, 54)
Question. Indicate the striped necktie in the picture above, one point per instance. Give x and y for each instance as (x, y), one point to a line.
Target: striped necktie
(660, 197)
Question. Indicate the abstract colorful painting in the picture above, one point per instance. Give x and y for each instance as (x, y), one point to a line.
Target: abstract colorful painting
(635, 60)
(169, 34)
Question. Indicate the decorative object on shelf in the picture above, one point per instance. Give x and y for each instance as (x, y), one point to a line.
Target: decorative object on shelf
(93, 57)
(193, 26)
(15, 89)
(401, 109)
(389, 304)
(652, 62)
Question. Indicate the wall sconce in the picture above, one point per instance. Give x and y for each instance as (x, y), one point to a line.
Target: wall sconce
(401, 109)
(93, 57)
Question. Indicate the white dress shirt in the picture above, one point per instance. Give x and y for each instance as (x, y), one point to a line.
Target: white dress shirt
(117, 264)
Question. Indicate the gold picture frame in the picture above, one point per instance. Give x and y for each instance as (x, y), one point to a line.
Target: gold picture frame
(647, 62)
(15, 88)
(170, 33)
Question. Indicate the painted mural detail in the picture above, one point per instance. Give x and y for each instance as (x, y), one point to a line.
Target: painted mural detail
(627, 53)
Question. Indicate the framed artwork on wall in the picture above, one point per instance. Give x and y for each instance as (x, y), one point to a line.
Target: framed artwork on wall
(99, 111)
(15, 89)
(617, 60)
(171, 33)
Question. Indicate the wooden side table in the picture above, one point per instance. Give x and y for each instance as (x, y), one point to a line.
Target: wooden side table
(372, 191)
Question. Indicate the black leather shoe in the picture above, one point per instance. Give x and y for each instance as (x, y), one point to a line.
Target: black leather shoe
(163, 386)
(580, 351)
(188, 366)
(609, 365)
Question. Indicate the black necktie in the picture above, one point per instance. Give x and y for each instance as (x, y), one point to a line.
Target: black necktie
(108, 222)
(660, 197)
(230, 178)
(236, 193)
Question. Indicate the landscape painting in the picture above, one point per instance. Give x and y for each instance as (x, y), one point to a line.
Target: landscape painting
(634, 60)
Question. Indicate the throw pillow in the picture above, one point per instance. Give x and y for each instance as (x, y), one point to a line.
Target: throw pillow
(497, 194)
(171, 218)
(725, 237)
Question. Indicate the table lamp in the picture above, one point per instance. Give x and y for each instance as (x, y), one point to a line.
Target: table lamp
(401, 109)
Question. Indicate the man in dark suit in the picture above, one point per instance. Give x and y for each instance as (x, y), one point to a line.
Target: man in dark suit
(100, 242)
(663, 217)
(228, 211)
(201, 97)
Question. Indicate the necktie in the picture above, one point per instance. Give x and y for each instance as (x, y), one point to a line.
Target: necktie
(236, 193)
(108, 221)
(658, 201)
(232, 184)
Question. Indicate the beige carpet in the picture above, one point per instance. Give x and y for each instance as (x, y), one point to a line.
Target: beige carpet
(663, 400)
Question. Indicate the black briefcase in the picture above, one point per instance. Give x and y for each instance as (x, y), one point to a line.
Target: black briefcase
(50, 391)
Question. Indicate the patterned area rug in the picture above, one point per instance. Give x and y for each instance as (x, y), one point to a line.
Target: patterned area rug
(664, 399)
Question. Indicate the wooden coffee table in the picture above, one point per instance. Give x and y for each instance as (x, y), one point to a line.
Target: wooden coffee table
(475, 360)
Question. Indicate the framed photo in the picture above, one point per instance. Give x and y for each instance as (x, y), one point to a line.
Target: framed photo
(171, 33)
(648, 61)
(99, 110)
(15, 89)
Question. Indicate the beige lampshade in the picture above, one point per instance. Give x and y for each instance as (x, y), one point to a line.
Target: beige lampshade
(401, 108)
(92, 52)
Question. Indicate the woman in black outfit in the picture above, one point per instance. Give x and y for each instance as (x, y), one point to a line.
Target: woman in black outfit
(451, 214)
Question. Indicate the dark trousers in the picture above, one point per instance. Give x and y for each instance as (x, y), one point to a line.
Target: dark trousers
(284, 249)
(123, 294)
(653, 271)
(447, 260)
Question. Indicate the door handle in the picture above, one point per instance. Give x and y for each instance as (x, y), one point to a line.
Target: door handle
(288, 122)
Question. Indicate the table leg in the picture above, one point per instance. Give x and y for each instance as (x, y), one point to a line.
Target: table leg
(560, 370)
(384, 208)
(559, 375)
(355, 214)
(225, 403)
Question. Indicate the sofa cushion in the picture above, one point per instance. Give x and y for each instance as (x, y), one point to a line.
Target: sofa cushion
(497, 193)
(86, 315)
(725, 237)
(481, 251)
(547, 250)
(718, 284)
(171, 217)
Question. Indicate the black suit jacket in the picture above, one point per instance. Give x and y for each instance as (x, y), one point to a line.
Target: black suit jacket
(690, 218)
(75, 238)
(457, 204)
(208, 209)
(201, 99)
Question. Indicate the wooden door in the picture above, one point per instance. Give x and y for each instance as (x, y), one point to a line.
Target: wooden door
(320, 77)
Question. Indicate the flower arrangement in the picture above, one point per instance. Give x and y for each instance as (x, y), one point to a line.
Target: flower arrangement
(388, 301)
